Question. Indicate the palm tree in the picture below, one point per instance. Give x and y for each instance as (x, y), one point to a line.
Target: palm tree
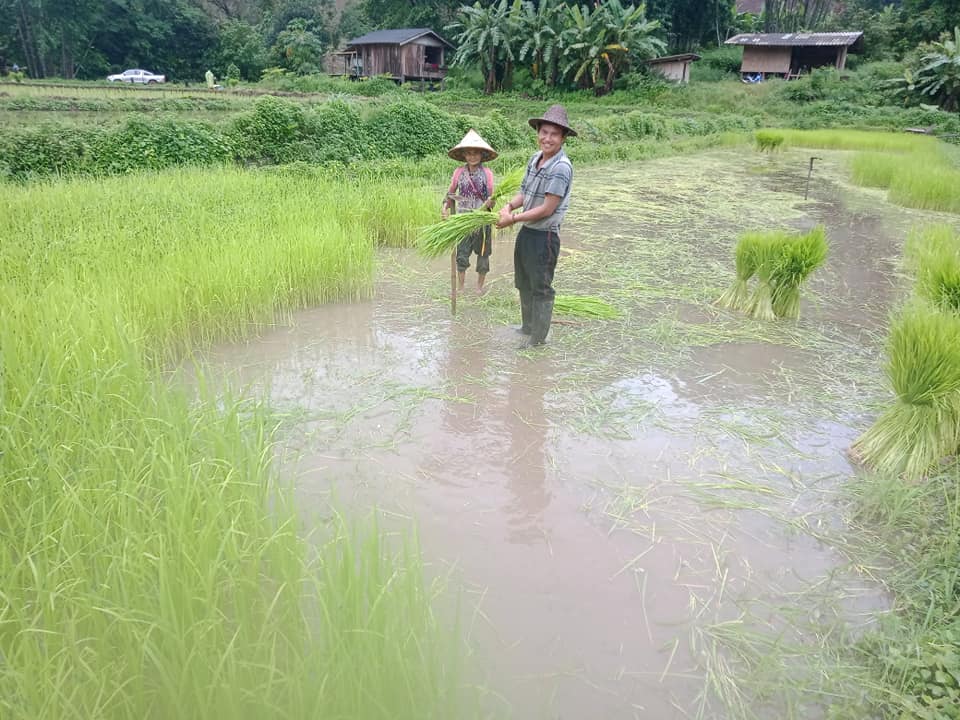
(488, 37)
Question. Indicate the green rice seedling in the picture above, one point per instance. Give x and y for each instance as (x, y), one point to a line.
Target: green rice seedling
(767, 255)
(875, 169)
(393, 212)
(927, 186)
(937, 261)
(923, 368)
(442, 237)
(508, 185)
(799, 256)
(845, 139)
(153, 563)
(745, 257)
(768, 140)
(585, 306)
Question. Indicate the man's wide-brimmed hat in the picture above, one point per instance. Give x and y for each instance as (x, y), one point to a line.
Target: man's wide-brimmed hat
(472, 141)
(555, 115)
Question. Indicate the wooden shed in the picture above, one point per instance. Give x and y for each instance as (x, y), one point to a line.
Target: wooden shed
(789, 54)
(673, 67)
(404, 54)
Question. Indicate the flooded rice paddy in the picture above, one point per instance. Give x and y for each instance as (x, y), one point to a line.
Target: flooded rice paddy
(640, 520)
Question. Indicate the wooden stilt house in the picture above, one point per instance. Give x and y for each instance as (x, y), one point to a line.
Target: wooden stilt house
(404, 54)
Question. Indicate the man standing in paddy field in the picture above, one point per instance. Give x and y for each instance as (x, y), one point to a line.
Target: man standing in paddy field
(544, 196)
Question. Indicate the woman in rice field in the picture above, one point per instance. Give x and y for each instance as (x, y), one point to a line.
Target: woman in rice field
(471, 187)
(544, 196)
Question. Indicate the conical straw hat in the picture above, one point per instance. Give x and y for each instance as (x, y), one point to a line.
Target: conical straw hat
(472, 141)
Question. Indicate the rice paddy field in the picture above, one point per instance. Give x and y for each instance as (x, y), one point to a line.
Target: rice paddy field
(253, 467)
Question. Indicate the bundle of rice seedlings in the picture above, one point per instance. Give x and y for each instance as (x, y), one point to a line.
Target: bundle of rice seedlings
(508, 186)
(923, 367)
(745, 258)
(768, 140)
(798, 257)
(767, 254)
(584, 306)
(442, 237)
(936, 257)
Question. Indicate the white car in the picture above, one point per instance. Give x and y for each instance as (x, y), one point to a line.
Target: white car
(137, 76)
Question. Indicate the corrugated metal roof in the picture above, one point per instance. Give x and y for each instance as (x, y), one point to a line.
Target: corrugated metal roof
(795, 39)
(750, 6)
(672, 58)
(395, 37)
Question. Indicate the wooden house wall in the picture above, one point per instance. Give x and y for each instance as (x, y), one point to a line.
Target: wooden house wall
(766, 59)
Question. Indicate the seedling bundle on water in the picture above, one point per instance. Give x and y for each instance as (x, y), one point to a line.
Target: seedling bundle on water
(781, 262)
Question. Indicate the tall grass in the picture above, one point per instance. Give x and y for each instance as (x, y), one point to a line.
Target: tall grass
(152, 565)
(846, 139)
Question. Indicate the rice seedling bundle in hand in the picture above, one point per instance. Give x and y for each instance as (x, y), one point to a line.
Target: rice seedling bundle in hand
(442, 237)
(745, 257)
(508, 185)
(923, 367)
(798, 257)
(584, 306)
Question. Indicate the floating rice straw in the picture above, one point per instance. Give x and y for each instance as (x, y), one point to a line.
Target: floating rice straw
(584, 306)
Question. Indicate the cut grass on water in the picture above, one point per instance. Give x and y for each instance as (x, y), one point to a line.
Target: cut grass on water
(584, 306)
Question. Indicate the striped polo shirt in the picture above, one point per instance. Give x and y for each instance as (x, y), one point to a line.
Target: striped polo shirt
(554, 178)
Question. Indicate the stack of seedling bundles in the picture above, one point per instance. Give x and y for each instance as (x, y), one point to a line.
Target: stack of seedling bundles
(781, 262)
(923, 366)
(443, 237)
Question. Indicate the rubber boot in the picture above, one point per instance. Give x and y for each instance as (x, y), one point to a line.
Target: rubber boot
(526, 313)
(540, 325)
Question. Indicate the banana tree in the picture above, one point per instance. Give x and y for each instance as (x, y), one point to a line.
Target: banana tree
(598, 43)
(542, 25)
(488, 36)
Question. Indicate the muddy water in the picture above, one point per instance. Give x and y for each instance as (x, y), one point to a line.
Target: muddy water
(624, 512)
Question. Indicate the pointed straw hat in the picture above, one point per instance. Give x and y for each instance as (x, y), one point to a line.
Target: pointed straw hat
(472, 141)
(555, 115)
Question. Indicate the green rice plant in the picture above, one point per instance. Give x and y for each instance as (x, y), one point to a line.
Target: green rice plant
(443, 237)
(508, 185)
(927, 186)
(393, 212)
(875, 169)
(846, 139)
(923, 368)
(768, 140)
(153, 563)
(936, 257)
(798, 257)
(585, 306)
(767, 249)
(745, 257)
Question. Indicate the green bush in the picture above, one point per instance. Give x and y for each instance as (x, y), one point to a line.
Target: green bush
(340, 133)
(273, 132)
(412, 128)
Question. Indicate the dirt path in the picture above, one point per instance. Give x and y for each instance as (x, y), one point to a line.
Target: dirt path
(639, 516)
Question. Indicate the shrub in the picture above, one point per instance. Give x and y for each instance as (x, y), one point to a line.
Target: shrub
(339, 133)
(273, 132)
(412, 128)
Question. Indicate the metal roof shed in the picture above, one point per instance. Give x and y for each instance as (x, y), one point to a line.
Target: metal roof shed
(789, 54)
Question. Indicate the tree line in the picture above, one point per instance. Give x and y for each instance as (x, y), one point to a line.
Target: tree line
(583, 43)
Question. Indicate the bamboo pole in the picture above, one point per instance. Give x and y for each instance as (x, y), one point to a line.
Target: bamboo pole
(453, 283)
